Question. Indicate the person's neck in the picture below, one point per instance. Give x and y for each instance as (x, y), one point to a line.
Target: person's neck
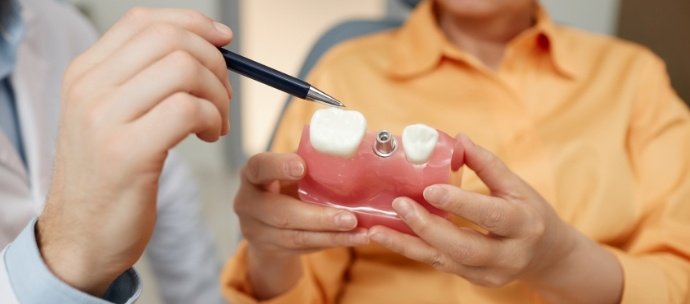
(487, 38)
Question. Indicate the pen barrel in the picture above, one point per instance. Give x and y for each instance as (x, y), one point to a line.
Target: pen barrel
(266, 75)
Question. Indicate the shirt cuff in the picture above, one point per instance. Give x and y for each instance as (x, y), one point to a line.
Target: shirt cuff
(33, 282)
(236, 288)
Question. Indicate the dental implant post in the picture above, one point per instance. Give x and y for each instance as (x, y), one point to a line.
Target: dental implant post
(385, 144)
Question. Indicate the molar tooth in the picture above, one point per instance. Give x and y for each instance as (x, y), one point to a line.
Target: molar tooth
(419, 141)
(337, 132)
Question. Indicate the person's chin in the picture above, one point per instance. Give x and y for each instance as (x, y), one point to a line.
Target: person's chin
(472, 8)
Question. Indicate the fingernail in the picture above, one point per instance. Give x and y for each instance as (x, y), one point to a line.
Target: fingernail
(225, 129)
(295, 169)
(224, 29)
(435, 195)
(345, 221)
(402, 207)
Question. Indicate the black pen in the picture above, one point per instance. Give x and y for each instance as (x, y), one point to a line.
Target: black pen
(277, 79)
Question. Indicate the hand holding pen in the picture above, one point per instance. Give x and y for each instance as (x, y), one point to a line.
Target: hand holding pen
(152, 80)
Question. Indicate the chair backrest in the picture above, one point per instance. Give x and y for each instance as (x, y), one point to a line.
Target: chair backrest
(342, 32)
(410, 3)
(339, 33)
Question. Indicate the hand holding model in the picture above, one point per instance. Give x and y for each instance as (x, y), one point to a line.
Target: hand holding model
(279, 227)
(525, 240)
(151, 80)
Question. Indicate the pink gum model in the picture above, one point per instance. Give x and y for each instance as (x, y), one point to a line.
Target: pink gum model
(367, 182)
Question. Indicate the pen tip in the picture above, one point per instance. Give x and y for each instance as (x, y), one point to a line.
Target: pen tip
(334, 102)
(315, 94)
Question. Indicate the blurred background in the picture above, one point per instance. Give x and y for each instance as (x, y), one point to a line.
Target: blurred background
(280, 33)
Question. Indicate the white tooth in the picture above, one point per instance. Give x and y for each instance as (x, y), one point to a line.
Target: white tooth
(337, 132)
(418, 141)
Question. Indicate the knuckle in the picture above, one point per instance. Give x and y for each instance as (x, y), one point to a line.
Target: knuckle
(326, 216)
(137, 13)
(495, 216)
(166, 34)
(280, 221)
(298, 239)
(183, 107)
(181, 71)
(190, 17)
(251, 169)
(422, 225)
(437, 261)
(493, 161)
(185, 63)
(490, 163)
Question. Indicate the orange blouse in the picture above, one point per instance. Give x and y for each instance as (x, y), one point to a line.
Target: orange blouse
(591, 122)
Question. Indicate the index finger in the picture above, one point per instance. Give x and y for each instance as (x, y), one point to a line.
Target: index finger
(493, 214)
(140, 18)
(265, 168)
(287, 213)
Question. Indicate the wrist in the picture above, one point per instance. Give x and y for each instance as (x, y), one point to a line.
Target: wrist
(583, 265)
(560, 254)
(69, 260)
(561, 258)
(272, 274)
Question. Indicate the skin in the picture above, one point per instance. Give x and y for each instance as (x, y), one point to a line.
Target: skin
(154, 78)
(525, 240)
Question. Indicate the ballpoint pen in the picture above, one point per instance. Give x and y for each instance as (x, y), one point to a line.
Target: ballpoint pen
(277, 79)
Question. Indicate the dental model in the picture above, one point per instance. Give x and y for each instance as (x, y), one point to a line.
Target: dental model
(364, 172)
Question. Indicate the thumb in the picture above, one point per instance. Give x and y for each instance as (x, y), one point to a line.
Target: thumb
(266, 168)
